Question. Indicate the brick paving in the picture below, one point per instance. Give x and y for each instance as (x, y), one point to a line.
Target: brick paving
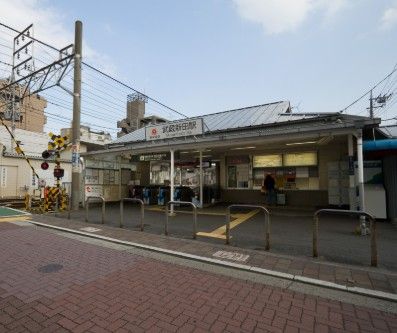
(105, 290)
(364, 277)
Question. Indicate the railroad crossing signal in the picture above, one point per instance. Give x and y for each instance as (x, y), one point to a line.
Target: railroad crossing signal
(57, 144)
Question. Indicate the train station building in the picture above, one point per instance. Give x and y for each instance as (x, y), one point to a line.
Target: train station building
(316, 159)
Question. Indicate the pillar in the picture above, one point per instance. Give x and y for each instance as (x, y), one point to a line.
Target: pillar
(201, 179)
(352, 188)
(172, 180)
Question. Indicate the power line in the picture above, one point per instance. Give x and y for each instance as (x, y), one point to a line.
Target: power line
(100, 72)
(376, 85)
(137, 91)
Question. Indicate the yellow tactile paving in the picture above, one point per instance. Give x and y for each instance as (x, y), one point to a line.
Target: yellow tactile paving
(14, 218)
(162, 209)
(221, 231)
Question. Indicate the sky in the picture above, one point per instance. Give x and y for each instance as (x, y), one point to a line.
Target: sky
(206, 56)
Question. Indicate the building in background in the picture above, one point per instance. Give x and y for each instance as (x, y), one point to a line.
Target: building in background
(136, 115)
(92, 139)
(29, 112)
(16, 176)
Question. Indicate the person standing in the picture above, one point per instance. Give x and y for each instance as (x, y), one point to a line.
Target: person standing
(269, 185)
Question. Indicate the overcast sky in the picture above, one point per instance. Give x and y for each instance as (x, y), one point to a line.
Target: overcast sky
(213, 55)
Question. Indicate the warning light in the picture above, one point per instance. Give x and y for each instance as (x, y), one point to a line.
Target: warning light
(44, 165)
(58, 173)
(46, 154)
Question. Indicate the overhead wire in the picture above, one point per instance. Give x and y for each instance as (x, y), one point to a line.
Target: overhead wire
(369, 91)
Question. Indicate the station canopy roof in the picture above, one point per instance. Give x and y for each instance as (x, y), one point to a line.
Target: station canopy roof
(389, 131)
(248, 117)
(259, 126)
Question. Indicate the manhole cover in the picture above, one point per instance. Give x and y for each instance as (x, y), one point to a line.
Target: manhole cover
(50, 268)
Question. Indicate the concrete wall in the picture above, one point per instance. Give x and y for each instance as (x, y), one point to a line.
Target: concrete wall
(143, 172)
(18, 176)
(390, 181)
(333, 152)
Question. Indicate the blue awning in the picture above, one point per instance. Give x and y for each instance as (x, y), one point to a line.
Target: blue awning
(388, 144)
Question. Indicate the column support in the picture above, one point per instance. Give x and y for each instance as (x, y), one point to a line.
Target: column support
(352, 185)
(360, 162)
(172, 181)
(201, 180)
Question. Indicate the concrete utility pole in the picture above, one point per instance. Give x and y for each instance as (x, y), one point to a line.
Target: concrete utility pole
(78, 37)
(380, 103)
(371, 106)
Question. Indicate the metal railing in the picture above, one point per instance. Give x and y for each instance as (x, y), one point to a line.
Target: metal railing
(267, 227)
(186, 203)
(374, 250)
(69, 205)
(142, 205)
(90, 198)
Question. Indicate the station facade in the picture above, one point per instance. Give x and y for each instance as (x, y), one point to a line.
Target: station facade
(316, 159)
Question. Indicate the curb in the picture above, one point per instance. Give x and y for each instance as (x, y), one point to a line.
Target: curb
(298, 278)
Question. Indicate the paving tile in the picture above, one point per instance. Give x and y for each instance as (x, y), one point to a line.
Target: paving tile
(104, 290)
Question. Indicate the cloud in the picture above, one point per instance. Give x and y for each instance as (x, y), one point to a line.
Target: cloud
(389, 18)
(282, 16)
(49, 28)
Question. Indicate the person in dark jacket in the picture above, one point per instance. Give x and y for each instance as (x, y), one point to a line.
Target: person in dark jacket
(269, 185)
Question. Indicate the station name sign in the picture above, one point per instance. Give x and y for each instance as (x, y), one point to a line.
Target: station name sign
(175, 129)
(151, 157)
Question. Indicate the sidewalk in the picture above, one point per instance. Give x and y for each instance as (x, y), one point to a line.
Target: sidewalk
(52, 283)
(344, 275)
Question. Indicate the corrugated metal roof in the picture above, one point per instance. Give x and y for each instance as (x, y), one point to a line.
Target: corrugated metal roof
(234, 119)
(390, 131)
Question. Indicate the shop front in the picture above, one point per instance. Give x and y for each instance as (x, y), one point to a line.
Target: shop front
(225, 157)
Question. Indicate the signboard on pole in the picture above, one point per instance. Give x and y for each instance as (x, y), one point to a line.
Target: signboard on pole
(175, 129)
(75, 158)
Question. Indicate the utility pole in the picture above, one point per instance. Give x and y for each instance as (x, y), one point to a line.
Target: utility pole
(380, 101)
(371, 106)
(76, 116)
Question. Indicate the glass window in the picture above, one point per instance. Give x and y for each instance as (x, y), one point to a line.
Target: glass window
(238, 176)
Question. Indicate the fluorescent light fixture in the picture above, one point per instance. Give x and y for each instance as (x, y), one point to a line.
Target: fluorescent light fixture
(242, 148)
(194, 151)
(300, 143)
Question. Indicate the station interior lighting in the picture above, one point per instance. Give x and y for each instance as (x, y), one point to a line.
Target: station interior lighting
(300, 143)
(243, 148)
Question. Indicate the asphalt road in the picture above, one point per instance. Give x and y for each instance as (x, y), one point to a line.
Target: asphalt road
(291, 232)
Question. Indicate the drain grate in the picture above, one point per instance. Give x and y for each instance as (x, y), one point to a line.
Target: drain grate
(50, 268)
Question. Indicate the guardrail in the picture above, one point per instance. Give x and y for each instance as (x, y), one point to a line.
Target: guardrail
(141, 203)
(374, 250)
(186, 203)
(267, 227)
(87, 206)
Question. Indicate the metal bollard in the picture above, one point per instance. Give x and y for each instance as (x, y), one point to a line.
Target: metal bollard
(87, 207)
(374, 249)
(181, 203)
(267, 222)
(141, 203)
